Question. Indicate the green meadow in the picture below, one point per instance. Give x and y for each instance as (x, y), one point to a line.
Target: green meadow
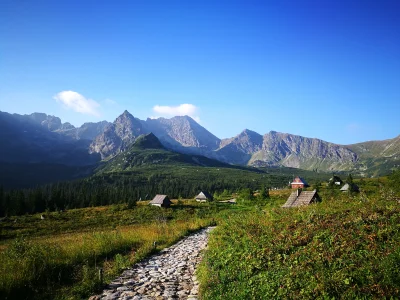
(345, 247)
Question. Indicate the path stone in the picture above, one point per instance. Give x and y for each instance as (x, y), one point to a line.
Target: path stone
(166, 275)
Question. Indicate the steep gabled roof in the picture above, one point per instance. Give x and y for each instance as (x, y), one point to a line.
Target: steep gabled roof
(304, 198)
(204, 196)
(299, 180)
(353, 188)
(292, 198)
(160, 199)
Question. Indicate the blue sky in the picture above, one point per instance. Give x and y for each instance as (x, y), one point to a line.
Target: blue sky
(325, 69)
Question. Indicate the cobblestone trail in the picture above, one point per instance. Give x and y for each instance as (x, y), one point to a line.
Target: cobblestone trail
(166, 275)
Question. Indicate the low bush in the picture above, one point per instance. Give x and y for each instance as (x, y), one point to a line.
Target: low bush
(344, 248)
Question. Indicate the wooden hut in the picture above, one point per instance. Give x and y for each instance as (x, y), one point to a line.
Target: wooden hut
(300, 198)
(299, 183)
(204, 197)
(161, 201)
(350, 188)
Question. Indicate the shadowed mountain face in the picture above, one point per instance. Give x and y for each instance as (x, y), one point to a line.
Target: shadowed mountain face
(88, 131)
(240, 148)
(42, 138)
(28, 139)
(147, 151)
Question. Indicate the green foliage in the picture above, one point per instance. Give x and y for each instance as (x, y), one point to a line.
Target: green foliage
(394, 180)
(264, 194)
(245, 195)
(344, 248)
(349, 180)
(38, 259)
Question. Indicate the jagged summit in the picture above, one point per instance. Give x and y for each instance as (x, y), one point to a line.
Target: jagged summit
(117, 136)
(37, 134)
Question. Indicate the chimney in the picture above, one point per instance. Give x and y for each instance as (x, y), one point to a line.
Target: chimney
(298, 192)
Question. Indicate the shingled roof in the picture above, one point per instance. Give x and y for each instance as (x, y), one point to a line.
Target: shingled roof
(299, 182)
(162, 200)
(347, 187)
(204, 196)
(299, 198)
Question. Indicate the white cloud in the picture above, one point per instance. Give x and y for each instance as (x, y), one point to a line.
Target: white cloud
(180, 110)
(77, 102)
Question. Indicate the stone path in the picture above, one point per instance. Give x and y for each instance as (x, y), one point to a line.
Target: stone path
(166, 275)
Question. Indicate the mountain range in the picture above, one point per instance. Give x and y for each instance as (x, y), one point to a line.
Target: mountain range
(40, 138)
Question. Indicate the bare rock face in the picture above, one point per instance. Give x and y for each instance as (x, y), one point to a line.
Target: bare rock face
(88, 131)
(238, 150)
(282, 149)
(182, 133)
(301, 152)
(117, 136)
(51, 123)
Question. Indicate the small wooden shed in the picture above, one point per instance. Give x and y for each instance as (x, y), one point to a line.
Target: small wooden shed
(299, 183)
(350, 188)
(300, 198)
(204, 197)
(161, 201)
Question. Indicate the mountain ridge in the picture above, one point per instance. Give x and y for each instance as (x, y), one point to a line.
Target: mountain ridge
(185, 135)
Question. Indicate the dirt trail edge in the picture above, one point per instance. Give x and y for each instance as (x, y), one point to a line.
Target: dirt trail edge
(167, 275)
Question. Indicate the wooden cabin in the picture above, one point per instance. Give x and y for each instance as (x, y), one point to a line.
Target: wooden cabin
(161, 201)
(299, 183)
(204, 197)
(300, 198)
(350, 188)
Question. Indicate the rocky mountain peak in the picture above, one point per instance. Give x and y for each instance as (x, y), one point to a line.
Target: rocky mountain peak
(117, 136)
(182, 132)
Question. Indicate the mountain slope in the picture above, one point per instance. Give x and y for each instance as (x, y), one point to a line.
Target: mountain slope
(88, 131)
(301, 152)
(239, 149)
(147, 151)
(182, 133)
(377, 157)
(117, 136)
(27, 140)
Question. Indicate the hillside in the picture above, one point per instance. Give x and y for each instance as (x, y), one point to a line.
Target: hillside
(346, 247)
(40, 138)
(300, 152)
(377, 157)
(25, 139)
(147, 151)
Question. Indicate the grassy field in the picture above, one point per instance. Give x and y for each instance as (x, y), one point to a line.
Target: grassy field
(59, 257)
(346, 247)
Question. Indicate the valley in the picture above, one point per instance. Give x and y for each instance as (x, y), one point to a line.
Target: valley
(42, 141)
(76, 200)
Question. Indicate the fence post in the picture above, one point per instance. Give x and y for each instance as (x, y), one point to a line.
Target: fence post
(101, 275)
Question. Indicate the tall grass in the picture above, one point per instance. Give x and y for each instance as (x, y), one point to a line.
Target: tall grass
(347, 247)
(66, 266)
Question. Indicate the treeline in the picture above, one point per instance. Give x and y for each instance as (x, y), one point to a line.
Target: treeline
(119, 188)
